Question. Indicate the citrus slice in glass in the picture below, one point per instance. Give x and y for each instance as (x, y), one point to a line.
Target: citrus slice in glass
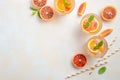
(64, 6)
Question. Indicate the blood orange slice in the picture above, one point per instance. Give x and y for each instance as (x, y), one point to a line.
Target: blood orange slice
(46, 13)
(105, 33)
(39, 3)
(79, 60)
(108, 13)
(82, 8)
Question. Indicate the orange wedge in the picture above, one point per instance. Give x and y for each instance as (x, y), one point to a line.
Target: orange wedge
(105, 33)
(102, 50)
(82, 8)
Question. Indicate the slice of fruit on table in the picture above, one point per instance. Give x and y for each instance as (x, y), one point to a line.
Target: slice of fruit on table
(91, 23)
(46, 13)
(82, 8)
(39, 3)
(108, 13)
(64, 6)
(79, 60)
(105, 33)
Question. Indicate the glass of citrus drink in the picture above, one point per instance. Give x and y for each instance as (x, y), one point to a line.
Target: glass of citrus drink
(64, 6)
(91, 23)
(97, 46)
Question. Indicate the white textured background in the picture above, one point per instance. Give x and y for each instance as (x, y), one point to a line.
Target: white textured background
(31, 49)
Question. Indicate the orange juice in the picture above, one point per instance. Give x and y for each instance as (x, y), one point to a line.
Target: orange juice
(91, 23)
(64, 6)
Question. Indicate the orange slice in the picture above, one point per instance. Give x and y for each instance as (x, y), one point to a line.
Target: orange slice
(108, 13)
(82, 8)
(105, 33)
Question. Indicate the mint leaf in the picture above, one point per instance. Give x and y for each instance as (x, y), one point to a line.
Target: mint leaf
(33, 13)
(98, 45)
(91, 18)
(39, 14)
(34, 9)
(66, 3)
(87, 25)
(102, 70)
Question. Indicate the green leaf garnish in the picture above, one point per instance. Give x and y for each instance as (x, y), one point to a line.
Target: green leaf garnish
(33, 13)
(39, 14)
(87, 25)
(102, 70)
(98, 45)
(66, 3)
(34, 9)
(90, 19)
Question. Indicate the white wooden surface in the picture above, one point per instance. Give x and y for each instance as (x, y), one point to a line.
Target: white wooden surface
(31, 49)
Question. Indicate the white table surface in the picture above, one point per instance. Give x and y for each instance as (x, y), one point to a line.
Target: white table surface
(31, 49)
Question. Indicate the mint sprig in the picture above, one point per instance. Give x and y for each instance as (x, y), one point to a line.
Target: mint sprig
(98, 45)
(39, 15)
(35, 11)
(66, 3)
(90, 19)
(102, 70)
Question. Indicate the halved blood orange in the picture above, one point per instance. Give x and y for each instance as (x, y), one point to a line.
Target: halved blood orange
(108, 13)
(46, 13)
(82, 8)
(79, 60)
(39, 3)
